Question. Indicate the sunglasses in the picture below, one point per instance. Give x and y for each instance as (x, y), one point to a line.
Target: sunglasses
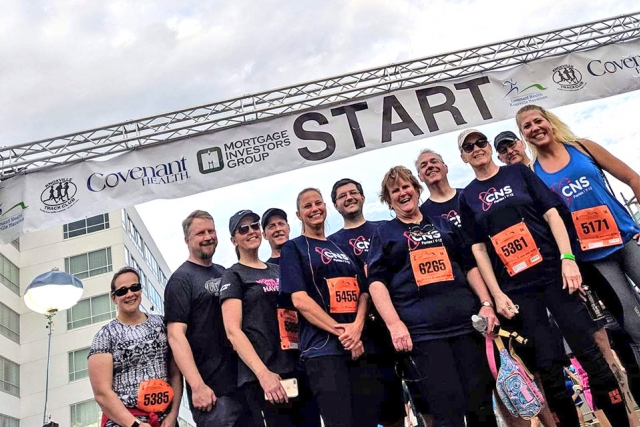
(244, 229)
(503, 149)
(468, 148)
(120, 292)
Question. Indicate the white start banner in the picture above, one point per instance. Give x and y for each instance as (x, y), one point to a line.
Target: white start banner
(55, 196)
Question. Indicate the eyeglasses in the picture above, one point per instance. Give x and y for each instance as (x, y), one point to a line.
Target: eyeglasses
(509, 145)
(120, 292)
(468, 148)
(244, 229)
(351, 193)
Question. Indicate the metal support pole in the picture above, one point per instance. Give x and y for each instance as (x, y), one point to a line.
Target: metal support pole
(49, 317)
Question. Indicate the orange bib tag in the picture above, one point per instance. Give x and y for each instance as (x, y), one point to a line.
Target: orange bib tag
(288, 325)
(343, 294)
(516, 248)
(154, 395)
(431, 265)
(596, 228)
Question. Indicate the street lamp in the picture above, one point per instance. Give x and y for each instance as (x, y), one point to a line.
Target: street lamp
(49, 293)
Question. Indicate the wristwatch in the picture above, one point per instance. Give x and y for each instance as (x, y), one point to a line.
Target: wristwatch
(135, 424)
(487, 304)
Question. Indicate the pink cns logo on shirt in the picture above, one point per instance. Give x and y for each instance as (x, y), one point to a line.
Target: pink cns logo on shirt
(327, 256)
(269, 285)
(359, 245)
(491, 196)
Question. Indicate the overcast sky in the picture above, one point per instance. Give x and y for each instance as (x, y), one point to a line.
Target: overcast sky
(70, 65)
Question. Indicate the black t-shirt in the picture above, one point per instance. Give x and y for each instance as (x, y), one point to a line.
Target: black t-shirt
(258, 290)
(432, 311)
(515, 194)
(355, 242)
(449, 210)
(275, 261)
(192, 297)
(306, 265)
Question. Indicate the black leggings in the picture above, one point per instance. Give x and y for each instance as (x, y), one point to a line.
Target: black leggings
(544, 354)
(455, 380)
(349, 393)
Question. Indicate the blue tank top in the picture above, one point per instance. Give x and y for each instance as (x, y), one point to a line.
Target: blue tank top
(581, 185)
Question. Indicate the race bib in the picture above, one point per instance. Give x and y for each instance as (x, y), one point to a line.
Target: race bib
(431, 265)
(154, 395)
(343, 294)
(596, 228)
(288, 325)
(516, 248)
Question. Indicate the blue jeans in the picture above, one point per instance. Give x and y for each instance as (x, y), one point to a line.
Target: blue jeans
(228, 412)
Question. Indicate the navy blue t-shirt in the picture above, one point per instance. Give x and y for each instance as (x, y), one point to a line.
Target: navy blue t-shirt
(355, 242)
(449, 210)
(515, 194)
(305, 265)
(436, 310)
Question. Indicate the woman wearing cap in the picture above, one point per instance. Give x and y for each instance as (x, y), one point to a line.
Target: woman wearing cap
(249, 296)
(134, 378)
(607, 234)
(332, 300)
(418, 283)
(524, 255)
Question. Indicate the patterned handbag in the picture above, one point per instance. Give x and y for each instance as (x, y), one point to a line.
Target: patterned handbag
(514, 382)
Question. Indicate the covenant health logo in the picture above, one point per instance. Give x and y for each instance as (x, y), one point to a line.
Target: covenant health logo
(568, 78)
(58, 195)
(163, 173)
(17, 215)
(519, 96)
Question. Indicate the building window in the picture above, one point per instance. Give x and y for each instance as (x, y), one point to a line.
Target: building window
(9, 323)
(135, 236)
(89, 264)
(91, 310)
(9, 377)
(156, 300)
(127, 257)
(78, 364)
(85, 414)
(86, 226)
(162, 278)
(16, 244)
(123, 216)
(7, 421)
(9, 275)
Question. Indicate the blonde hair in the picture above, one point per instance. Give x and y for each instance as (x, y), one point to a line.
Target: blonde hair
(561, 132)
(302, 193)
(390, 178)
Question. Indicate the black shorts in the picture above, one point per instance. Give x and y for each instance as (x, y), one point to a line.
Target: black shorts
(392, 407)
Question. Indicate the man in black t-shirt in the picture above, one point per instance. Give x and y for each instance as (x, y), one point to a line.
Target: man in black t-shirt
(275, 230)
(196, 331)
(443, 199)
(348, 198)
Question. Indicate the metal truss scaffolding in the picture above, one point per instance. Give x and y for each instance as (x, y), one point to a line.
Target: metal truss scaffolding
(163, 128)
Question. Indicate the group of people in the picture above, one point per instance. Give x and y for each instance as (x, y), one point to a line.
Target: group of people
(329, 327)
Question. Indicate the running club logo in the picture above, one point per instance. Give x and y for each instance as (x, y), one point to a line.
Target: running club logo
(327, 256)
(568, 78)
(491, 196)
(519, 96)
(424, 235)
(58, 195)
(569, 190)
(360, 245)
(453, 217)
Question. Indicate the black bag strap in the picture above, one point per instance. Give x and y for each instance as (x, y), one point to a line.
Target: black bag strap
(606, 180)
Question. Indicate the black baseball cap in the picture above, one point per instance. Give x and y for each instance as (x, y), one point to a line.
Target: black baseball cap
(271, 213)
(504, 138)
(239, 216)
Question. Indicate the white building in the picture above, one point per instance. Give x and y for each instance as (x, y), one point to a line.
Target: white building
(92, 249)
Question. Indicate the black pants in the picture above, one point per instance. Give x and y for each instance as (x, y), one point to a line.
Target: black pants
(544, 354)
(348, 392)
(455, 380)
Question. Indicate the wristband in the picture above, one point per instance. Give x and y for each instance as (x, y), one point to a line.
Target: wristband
(135, 424)
(568, 256)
